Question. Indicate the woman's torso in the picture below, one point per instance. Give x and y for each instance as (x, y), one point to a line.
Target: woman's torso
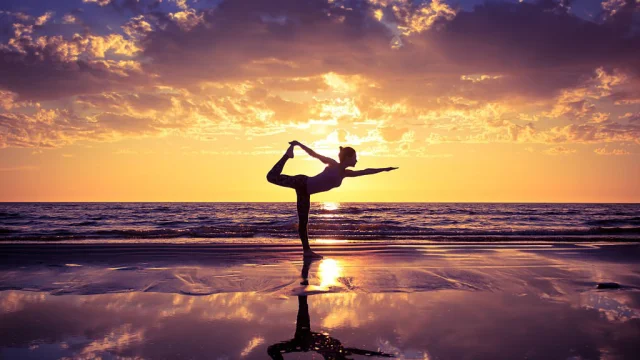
(328, 179)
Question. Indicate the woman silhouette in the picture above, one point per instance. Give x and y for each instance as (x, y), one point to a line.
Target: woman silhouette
(328, 179)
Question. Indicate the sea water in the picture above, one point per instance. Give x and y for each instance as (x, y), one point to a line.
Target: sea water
(229, 222)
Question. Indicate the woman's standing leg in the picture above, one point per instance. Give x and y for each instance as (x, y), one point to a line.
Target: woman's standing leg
(303, 205)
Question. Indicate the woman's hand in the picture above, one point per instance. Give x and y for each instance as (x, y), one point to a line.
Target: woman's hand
(390, 168)
(295, 142)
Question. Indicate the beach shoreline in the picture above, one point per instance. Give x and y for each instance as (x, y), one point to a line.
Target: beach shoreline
(411, 301)
(135, 267)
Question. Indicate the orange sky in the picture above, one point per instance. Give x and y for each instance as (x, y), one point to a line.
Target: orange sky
(122, 104)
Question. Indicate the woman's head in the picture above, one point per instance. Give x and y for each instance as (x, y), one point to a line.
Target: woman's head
(347, 156)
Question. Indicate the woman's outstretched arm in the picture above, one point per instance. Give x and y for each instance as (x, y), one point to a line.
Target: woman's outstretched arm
(354, 173)
(324, 159)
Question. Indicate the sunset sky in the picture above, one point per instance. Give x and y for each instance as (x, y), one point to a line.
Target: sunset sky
(195, 100)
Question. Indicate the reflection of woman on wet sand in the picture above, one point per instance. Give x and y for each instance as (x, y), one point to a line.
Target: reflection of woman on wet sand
(329, 178)
(305, 340)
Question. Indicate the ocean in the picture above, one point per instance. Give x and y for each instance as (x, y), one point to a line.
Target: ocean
(228, 281)
(274, 222)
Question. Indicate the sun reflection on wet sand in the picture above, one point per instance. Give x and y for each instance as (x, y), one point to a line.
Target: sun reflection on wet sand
(330, 241)
(374, 298)
(329, 271)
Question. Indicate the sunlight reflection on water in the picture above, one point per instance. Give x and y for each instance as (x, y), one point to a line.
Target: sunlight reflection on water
(329, 271)
(330, 206)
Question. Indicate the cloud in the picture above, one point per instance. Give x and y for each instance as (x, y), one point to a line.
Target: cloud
(479, 78)
(248, 39)
(459, 45)
(126, 124)
(154, 102)
(600, 117)
(498, 38)
(182, 4)
(137, 26)
(41, 20)
(187, 19)
(611, 8)
(7, 99)
(605, 151)
(631, 117)
(45, 128)
(578, 102)
(52, 67)
(594, 133)
(70, 19)
(559, 150)
(51, 128)
(399, 72)
(233, 38)
(415, 18)
(99, 2)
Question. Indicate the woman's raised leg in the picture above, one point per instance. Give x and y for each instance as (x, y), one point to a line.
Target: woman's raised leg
(275, 174)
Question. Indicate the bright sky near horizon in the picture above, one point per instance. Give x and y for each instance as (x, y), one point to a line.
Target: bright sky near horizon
(195, 100)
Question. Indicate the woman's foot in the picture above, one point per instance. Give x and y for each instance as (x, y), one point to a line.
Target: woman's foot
(289, 152)
(310, 254)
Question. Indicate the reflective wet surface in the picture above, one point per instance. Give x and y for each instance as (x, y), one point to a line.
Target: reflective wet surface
(446, 324)
(488, 303)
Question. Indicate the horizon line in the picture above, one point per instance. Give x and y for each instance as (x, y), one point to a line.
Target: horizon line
(339, 202)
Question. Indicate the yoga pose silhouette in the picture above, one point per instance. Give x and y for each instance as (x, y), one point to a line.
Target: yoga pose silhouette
(306, 340)
(304, 185)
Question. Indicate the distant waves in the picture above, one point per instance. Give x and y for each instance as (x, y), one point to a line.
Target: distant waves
(353, 221)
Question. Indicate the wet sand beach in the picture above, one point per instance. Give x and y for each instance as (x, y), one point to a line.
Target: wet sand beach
(409, 301)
